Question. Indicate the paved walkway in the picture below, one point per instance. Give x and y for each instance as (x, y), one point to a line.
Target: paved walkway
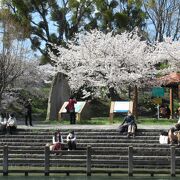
(78, 126)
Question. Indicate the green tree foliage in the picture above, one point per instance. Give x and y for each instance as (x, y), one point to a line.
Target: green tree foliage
(120, 15)
(56, 21)
(51, 21)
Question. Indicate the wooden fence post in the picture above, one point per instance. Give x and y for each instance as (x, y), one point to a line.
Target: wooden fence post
(88, 161)
(5, 160)
(130, 161)
(46, 160)
(173, 161)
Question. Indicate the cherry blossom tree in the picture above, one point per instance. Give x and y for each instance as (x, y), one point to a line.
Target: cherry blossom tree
(35, 75)
(97, 60)
(11, 66)
(171, 51)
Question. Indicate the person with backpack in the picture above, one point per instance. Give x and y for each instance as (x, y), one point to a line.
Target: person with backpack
(128, 125)
(71, 109)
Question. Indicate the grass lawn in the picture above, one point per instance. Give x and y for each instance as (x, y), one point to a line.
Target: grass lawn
(119, 120)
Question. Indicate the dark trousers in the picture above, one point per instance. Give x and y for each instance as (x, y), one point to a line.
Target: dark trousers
(3, 128)
(28, 116)
(72, 118)
(71, 145)
(10, 129)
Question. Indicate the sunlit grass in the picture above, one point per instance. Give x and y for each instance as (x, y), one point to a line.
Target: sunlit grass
(116, 120)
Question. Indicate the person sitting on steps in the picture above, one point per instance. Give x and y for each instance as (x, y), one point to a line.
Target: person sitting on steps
(3, 122)
(71, 141)
(129, 120)
(11, 124)
(57, 142)
(174, 134)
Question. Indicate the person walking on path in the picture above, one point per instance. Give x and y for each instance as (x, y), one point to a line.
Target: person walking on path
(71, 109)
(28, 112)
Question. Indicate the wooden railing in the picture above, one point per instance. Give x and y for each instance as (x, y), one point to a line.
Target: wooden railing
(89, 160)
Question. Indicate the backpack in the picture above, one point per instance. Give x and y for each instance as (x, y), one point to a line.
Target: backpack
(123, 128)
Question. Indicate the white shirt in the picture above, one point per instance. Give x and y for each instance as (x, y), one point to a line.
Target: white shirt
(71, 137)
(54, 142)
(12, 122)
(3, 121)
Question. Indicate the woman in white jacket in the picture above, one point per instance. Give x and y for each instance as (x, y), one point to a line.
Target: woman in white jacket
(57, 142)
(3, 122)
(11, 124)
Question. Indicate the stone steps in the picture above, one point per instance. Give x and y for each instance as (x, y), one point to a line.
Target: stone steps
(81, 141)
(84, 131)
(39, 145)
(109, 149)
(48, 137)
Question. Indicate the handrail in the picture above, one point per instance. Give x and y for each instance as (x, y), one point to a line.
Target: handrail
(89, 153)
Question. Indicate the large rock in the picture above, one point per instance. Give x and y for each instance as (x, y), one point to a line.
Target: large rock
(60, 92)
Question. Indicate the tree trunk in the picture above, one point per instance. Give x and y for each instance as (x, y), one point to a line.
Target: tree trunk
(129, 92)
(59, 93)
(0, 101)
(135, 102)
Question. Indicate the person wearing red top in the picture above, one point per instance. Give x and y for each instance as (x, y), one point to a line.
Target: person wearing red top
(71, 109)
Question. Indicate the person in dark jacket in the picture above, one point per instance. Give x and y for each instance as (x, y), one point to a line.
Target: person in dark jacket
(168, 112)
(129, 121)
(28, 112)
(71, 140)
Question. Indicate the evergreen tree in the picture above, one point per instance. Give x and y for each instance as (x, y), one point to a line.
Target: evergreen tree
(54, 21)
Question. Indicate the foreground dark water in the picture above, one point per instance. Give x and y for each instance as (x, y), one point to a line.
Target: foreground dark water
(75, 177)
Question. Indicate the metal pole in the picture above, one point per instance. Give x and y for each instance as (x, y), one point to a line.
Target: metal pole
(158, 111)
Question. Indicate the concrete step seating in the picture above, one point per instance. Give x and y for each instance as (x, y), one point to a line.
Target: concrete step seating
(109, 149)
